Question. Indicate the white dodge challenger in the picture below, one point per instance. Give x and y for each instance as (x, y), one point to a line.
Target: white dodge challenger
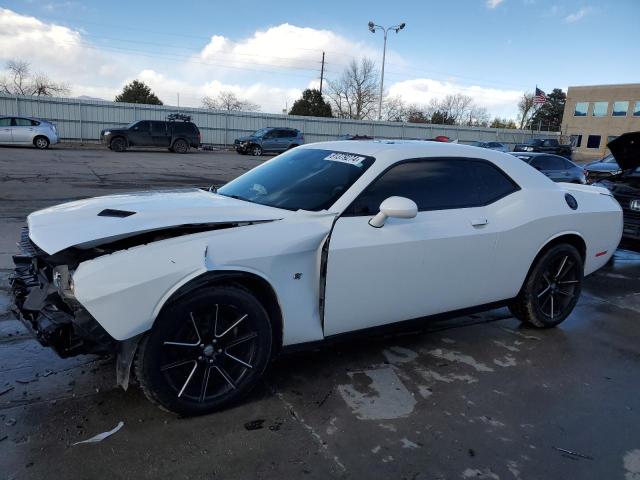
(195, 291)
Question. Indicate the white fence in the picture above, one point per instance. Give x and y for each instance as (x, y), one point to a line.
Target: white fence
(82, 120)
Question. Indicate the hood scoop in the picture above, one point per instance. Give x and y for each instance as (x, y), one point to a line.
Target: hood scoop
(111, 212)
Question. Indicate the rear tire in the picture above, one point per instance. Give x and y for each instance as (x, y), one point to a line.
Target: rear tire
(205, 351)
(41, 143)
(551, 289)
(180, 146)
(118, 144)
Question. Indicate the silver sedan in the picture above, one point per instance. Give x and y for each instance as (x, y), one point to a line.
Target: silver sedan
(27, 131)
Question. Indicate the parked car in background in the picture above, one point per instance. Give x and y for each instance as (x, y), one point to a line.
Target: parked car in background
(355, 137)
(198, 290)
(27, 131)
(625, 183)
(177, 135)
(544, 145)
(500, 147)
(602, 168)
(273, 140)
(557, 168)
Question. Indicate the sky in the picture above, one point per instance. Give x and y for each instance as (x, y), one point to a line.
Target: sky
(268, 52)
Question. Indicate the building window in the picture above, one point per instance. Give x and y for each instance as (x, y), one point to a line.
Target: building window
(636, 109)
(576, 141)
(600, 109)
(581, 109)
(620, 109)
(593, 141)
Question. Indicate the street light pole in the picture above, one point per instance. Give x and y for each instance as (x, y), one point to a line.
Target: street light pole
(372, 29)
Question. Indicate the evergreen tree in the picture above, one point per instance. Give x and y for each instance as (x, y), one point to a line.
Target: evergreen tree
(138, 92)
(311, 105)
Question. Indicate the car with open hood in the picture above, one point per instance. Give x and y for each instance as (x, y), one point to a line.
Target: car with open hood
(195, 291)
(602, 168)
(624, 184)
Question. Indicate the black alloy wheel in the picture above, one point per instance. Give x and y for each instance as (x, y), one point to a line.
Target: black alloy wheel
(205, 352)
(551, 289)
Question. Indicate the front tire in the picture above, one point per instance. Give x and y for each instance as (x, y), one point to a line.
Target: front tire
(118, 144)
(205, 351)
(41, 143)
(256, 151)
(552, 288)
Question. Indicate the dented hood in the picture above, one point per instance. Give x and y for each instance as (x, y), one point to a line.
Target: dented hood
(97, 220)
(626, 150)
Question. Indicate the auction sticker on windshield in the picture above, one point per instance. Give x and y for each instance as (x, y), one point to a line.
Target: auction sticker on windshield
(345, 158)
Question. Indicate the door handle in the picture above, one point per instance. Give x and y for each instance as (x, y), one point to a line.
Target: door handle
(479, 222)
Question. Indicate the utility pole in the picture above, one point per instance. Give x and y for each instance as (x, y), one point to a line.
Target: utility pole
(178, 93)
(321, 73)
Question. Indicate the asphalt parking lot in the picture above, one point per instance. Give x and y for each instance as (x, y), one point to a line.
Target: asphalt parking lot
(474, 397)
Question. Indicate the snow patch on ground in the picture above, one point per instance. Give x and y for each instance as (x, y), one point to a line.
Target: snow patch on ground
(632, 465)
(454, 356)
(377, 395)
(396, 355)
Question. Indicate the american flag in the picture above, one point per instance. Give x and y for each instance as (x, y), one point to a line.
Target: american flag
(540, 96)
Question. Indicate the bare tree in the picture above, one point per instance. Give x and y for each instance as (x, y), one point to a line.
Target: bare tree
(19, 81)
(394, 109)
(477, 117)
(355, 94)
(456, 106)
(229, 101)
(526, 109)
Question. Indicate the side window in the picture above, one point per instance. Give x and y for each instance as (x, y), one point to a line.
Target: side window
(22, 122)
(158, 128)
(494, 183)
(553, 163)
(5, 122)
(436, 185)
(142, 127)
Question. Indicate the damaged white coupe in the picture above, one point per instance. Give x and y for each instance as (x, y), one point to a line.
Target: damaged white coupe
(195, 291)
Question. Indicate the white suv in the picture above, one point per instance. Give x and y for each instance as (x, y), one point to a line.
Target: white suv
(27, 131)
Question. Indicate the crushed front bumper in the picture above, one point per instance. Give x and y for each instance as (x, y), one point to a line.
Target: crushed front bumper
(47, 308)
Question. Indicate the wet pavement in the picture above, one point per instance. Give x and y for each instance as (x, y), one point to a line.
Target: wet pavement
(474, 397)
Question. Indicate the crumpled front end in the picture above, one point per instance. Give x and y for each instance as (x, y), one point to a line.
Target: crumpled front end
(44, 301)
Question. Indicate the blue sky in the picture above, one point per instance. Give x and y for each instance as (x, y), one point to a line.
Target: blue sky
(270, 51)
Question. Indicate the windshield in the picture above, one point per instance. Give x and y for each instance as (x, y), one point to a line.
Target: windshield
(128, 127)
(608, 159)
(259, 133)
(301, 179)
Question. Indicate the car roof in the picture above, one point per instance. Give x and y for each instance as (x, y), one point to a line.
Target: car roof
(389, 152)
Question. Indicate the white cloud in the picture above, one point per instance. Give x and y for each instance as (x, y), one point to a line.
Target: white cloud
(577, 16)
(285, 46)
(498, 102)
(67, 55)
(493, 3)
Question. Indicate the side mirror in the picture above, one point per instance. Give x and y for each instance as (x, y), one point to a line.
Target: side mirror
(394, 207)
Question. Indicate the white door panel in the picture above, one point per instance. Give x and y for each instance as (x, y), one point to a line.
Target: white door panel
(434, 263)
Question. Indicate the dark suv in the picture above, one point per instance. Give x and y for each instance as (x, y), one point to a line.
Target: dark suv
(269, 140)
(177, 136)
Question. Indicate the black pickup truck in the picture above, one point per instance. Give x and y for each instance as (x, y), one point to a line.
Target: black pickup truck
(545, 145)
